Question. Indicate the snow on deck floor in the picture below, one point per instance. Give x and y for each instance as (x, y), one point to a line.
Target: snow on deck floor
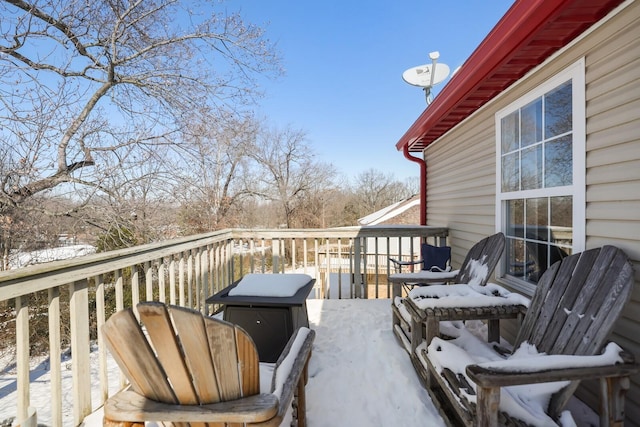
(358, 374)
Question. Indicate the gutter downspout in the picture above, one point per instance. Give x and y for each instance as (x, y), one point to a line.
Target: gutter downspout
(423, 183)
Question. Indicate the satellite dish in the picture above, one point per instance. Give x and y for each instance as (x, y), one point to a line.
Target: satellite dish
(423, 76)
(428, 75)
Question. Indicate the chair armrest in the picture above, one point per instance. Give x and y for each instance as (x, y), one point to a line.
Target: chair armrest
(415, 311)
(125, 406)
(399, 262)
(504, 373)
(291, 365)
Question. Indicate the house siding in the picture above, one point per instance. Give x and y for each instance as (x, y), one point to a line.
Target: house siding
(461, 169)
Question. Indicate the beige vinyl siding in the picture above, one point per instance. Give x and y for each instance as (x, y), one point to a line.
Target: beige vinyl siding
(613, 164)
(461, 185)
(461, 170)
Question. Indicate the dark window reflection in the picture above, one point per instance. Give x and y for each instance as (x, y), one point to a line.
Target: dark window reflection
(515, 218)
(557, 111)
(559, 162)
(532, 168)
(515, 253)
(510, 132)
(511, 172)
(532, 123)
(561, 219)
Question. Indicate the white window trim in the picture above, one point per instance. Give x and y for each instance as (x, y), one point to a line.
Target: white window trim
(576, 73)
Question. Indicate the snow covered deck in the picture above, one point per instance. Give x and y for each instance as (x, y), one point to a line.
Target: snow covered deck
(358, 373)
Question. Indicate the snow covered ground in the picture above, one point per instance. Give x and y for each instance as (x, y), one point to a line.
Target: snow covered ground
(23, 259)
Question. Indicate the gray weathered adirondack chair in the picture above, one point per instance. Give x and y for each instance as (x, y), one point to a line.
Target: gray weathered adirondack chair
(184, 367)
(476, 268)
(576, 303)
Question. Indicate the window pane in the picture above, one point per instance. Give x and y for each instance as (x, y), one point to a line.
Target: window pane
(509, 132)
(537, 219)
(557, 111)
(515, 218)
(532, 168)
(561, 220)
(537, 237)
(558, 162)
(531, 123)
(516, 265)
(511, 172)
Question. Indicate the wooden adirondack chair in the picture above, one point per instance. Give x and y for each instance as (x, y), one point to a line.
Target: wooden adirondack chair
(184, 367)
(573, 311)
(476, 269)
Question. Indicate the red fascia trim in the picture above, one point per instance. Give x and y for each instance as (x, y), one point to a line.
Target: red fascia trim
(515, 28)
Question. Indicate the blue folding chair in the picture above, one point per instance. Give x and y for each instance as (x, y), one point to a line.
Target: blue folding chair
(434, 258)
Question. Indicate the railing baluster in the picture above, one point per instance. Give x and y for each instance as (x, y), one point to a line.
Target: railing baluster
(181, 272)
(172, 280)
(119, 289)
(54, 356)
(339, 267)
(22, 356)
(375, 265)
(190, 278)
(79, 319)
(198, 277)
(162, 290)
(148, 277)
(135, 288)
(304, 256)
(317, 275)
(102, 350)
(211, 268)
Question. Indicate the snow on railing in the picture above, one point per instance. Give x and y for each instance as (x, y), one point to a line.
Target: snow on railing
(78, 295)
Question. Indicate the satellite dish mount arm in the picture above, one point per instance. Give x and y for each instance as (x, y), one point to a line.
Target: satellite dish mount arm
(427, 90)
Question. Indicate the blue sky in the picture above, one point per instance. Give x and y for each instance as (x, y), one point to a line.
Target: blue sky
(344, 61)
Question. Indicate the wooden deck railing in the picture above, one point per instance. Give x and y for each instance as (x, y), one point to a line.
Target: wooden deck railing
(78, 295)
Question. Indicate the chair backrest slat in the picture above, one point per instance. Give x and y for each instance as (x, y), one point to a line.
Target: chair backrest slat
(481, 260)
(249, 362)
(224, 353)
(131, 350)
(195, 344)
(157, 322)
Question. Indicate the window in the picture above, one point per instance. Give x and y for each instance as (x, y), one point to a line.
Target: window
(540, 202)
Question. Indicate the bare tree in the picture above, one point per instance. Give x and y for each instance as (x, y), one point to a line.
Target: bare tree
(210, 187)
(86, 87)
(289, 174)
(373, 190)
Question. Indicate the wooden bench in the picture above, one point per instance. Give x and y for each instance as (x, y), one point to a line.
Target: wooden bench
(184, 367)
(572, 313)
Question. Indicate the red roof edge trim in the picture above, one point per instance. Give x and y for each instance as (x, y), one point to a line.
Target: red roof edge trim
(515, 28)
